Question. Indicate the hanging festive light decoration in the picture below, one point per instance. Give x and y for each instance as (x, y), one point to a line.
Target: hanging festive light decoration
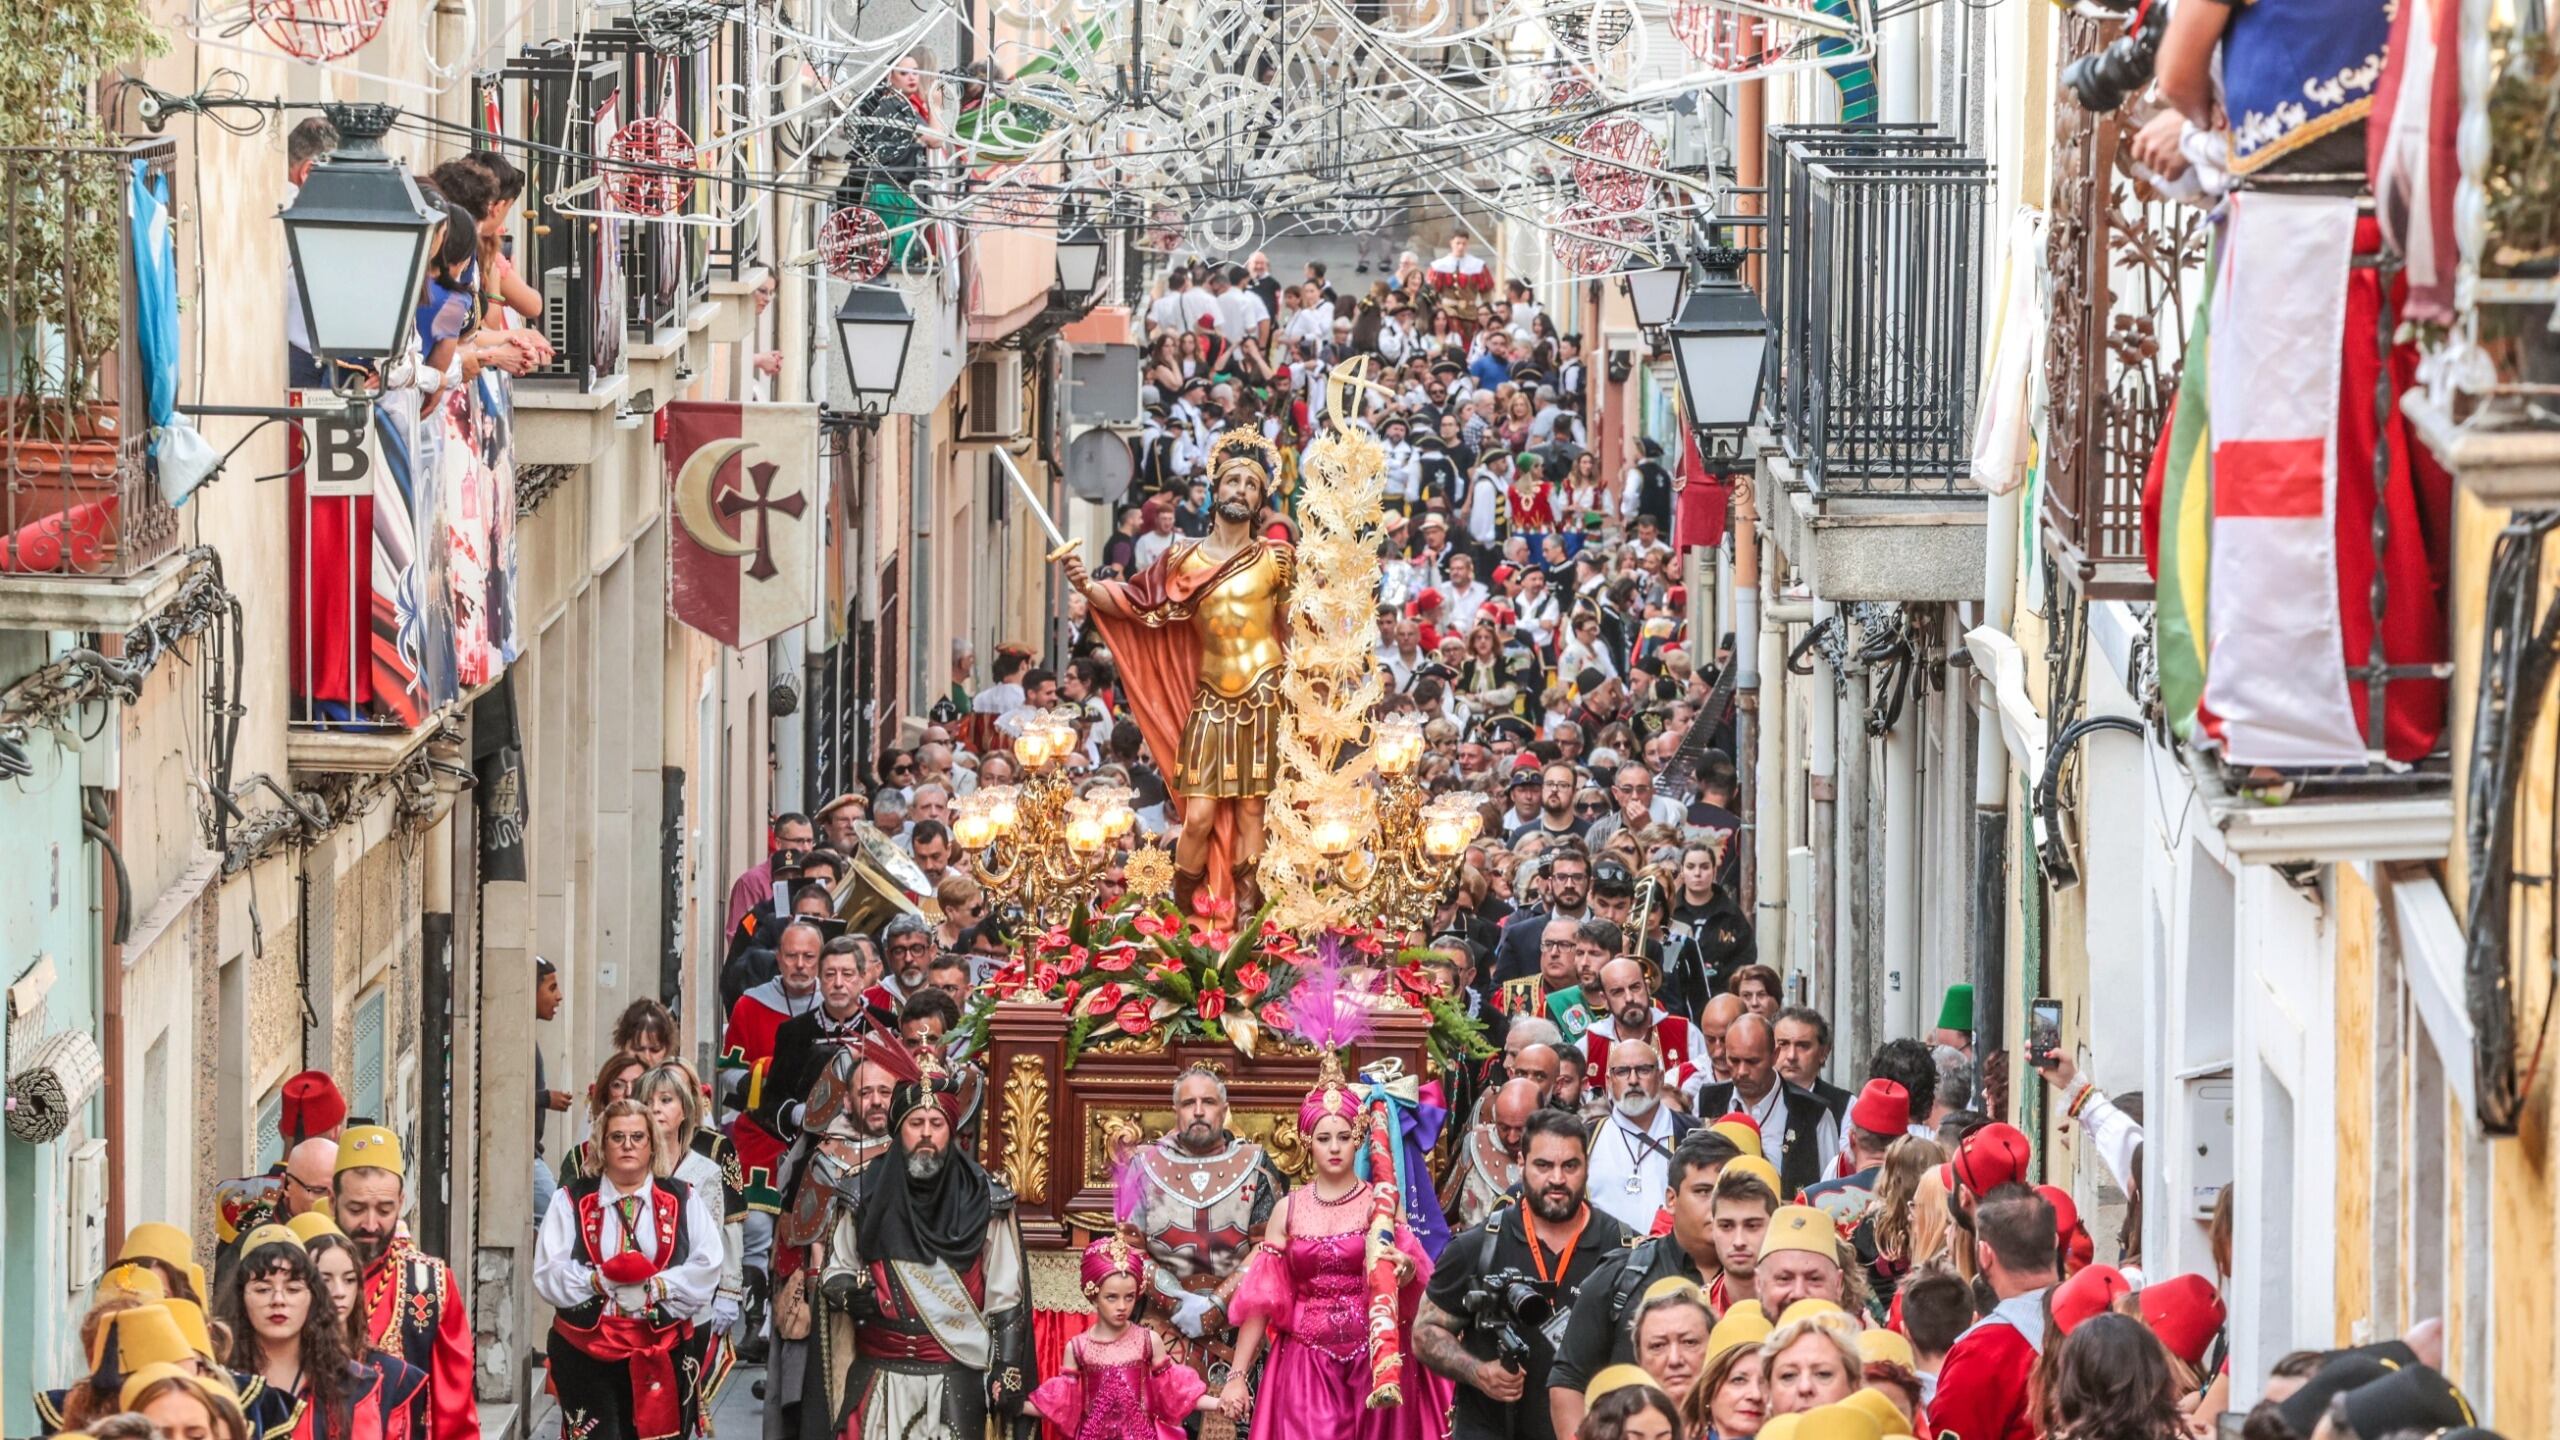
(1616, 153)
(659, 144)
(317, 30)
(853, 243)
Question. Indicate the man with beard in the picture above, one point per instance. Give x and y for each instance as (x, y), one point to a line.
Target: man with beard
(408, 1301)
(1554, 1236)
(928, 1269)
(1631, 1150)
(629, 1262)
(1203, 1194)
(1521, 953)
(806, 1042)
(1596, 1336)
(844, 1126)
(1633, 1016)
(1489, 1154)
(746, 1059)
(906, 947)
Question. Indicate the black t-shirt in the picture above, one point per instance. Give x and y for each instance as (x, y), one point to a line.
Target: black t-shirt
(1500, 1244)
(1596, 1337)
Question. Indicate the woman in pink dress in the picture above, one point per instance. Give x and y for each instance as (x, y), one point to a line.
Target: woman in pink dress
(1306, 1290)
(1118, 1384)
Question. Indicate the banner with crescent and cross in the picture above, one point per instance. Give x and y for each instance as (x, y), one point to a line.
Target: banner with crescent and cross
(744, 518)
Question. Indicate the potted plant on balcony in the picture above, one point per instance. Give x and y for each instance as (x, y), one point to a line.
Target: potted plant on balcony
(2523, 185)
(61, 278)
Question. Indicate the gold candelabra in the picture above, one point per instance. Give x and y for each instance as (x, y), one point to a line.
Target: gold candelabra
(1393, 849)
(1039, 848)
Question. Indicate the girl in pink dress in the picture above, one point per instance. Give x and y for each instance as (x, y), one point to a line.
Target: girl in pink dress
(1118, 1384)
(1306, 1290)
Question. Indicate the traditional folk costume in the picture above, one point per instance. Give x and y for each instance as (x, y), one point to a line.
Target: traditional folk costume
(1120, 1390)
(746, 1054)
(1313, 1290)
(822, 1180)
(630, 1274)
(1984, 1383)
(929, 1271)
(412, 1308)
(1674, 1043)
(1460, 285)
(377, 1393)
(710, 1170)
(1485, 1173)
(1198, 1216)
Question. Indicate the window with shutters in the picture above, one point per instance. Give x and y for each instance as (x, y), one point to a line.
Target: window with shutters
(364, 1088)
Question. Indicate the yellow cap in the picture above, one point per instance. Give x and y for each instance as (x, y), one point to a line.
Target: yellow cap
(310, 1225)
(1888, 1346)
(1801, 1227)
(1759, 1169)
(1837, 1422)
(1744, 1138)
(1808, 1308)
(1615, 1377)
(143, 1335)
(149, 1375)
(1779, 1427)
(370, 1147)
(1672, 1285)
(1880, 1408)
(1741, 1326)
(268, 1235)
(190, 1318)
(137, 1282)
(167, 1244)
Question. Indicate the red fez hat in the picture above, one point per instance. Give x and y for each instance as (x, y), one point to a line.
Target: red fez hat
(1991, 1157)
(2067, 1229)
(1427, 600)
(2086, 1294)
(312, 1106)
(2185, 1313)
(1882, 1108)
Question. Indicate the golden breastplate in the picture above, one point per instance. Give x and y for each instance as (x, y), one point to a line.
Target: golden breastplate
(1239, 622)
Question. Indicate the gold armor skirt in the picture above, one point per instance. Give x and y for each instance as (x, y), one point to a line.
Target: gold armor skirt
(1231, 744)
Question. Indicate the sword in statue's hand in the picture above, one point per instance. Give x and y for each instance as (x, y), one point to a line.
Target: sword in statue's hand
(1061, 546)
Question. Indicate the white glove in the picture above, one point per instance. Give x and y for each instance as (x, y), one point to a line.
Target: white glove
(1191, 1314)
(629, 1299)
(724, 1313)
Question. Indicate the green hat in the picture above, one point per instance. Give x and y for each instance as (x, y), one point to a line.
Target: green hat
(1956, 1011)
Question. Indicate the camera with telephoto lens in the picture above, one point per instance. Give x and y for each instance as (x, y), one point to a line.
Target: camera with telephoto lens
(1509, 1303)
(2101, 83)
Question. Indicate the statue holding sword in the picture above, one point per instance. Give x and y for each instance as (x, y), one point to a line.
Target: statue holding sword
(1197, 638)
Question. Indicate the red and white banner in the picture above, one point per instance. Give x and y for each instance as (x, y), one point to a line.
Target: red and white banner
(2276, 683)
(743, 518)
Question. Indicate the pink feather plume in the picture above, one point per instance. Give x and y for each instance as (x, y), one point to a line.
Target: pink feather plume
(1324, 1011)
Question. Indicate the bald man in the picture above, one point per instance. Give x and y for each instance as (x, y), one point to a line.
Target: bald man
(304, 1178)
(1488, 1168)
(1713, 1020)
(1797, 1131)
(310, 1169)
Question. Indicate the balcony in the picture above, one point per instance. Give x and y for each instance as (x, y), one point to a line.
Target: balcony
(2125, 269)
(86, 541)
(1876, 284)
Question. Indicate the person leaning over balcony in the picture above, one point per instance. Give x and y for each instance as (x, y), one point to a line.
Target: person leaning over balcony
(310, 142)
(500, 285)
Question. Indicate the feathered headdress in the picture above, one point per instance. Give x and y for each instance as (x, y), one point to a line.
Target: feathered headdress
(1328, 1014)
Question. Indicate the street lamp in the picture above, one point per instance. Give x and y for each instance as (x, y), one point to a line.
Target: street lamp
(358, 232)
(1654, 291)
(1718, 342)
(873, 326)
(1081, 249)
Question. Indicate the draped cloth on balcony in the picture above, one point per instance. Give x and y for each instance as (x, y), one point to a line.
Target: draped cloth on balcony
(2293, 389)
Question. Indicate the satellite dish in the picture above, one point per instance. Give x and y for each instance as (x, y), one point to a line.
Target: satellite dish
(1100, 467)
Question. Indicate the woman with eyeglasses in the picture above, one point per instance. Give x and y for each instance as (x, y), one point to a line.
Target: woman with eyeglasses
(613, 1082)
(281, 1324)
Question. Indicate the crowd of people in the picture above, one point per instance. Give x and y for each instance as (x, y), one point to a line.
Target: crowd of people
(1660, 1214)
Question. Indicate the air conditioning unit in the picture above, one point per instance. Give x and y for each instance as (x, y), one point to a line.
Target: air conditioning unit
(995, 399)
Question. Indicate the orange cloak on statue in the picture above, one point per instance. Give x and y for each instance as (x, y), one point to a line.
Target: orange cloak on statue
(1158, 658)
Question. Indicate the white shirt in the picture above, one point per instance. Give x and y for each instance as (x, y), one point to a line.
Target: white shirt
(1314, 325)
(1631, 1168)
(1464, 602)
(564, 1279)
(1151, 545)
(1239, 313)
(1484, 506)
(1198, 305)
(1166, 313)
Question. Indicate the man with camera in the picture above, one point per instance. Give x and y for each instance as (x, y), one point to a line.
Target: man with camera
(1596, 1337)
(1486, 1320)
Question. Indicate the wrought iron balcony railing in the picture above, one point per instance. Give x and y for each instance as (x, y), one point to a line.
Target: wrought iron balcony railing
(1877, 260)
(77, 493)
(560, 102)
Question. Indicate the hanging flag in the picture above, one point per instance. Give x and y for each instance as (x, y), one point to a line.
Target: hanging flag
(1703, 504)
(2177, 508)
(2409, 150)
(743, 518)
(2276, 692)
